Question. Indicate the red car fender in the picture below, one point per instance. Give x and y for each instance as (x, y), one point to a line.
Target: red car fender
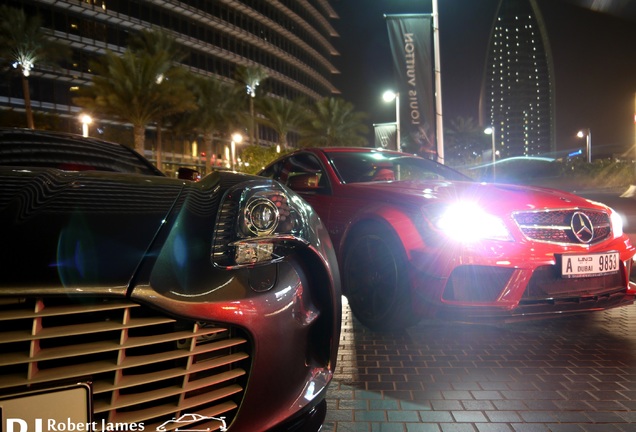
(399, 222)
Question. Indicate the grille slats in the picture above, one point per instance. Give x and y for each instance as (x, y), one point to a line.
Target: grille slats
(165, 392)
(126, 382)
(145, 366)
(81, 329)
(12, 314)
(554, 226)
(102, 367)
(101, 347)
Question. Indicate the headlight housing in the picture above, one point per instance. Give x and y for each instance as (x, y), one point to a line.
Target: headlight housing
(468, 222)
(259, 224)
(617, 223)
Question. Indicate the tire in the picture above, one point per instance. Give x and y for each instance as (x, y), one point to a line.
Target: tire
(376, 281)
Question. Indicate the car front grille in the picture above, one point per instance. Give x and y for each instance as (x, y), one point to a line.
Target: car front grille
(555, 226)
(145, 367)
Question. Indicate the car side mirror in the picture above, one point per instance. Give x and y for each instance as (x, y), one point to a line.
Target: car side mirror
(304, 182)
(184, 173)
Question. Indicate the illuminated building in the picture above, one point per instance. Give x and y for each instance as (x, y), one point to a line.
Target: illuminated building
(518, 90)
(289, 39)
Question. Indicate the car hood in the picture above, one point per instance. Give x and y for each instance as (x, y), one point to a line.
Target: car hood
(79, 230)
(497, 198)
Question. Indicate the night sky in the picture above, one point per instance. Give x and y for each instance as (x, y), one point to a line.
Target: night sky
(594, 58)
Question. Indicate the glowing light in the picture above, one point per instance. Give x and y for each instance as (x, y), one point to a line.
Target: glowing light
(467, 222)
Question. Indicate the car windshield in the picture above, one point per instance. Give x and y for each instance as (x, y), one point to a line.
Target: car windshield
(361, 167)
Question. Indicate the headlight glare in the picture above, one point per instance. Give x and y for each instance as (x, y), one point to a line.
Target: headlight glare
(467, 222)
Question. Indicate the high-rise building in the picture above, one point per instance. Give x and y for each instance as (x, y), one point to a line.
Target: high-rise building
(289, 39)
(518, 90)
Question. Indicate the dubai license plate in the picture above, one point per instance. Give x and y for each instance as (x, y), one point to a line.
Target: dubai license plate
(589, 265)
(63, 408)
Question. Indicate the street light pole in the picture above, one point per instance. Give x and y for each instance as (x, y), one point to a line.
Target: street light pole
(439, 123)
(587, 133)
(398, 140)
(388, 96)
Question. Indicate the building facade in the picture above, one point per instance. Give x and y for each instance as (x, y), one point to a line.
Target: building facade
(518, 91)
(289, 39)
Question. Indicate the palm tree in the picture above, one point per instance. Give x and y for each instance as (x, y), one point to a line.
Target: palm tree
(333, 122)
(252, 78)
(218, 111)
(24, 44)
(465, 141)
(281, 115)
(137, 88)
(158, 42)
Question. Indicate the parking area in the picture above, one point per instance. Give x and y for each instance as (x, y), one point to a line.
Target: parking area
(570, 374)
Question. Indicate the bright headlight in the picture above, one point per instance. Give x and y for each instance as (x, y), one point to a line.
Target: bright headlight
(467, 222)
(258, 225)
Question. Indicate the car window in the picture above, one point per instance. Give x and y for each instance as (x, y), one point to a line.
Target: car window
(362, 167)
(301, 172)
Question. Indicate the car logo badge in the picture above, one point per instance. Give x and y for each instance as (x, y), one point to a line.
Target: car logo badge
(582, 227)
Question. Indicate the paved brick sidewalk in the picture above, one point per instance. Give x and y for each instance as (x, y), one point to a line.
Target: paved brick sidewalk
(571, 374)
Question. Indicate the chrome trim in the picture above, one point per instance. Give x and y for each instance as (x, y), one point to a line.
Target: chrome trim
(603, 227)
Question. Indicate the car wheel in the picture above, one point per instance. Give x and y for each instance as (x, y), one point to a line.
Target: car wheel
(376, 281)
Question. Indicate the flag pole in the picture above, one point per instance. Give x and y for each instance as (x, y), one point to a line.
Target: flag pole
(439, 124)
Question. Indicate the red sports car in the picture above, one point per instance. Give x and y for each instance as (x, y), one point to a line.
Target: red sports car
(417, 239)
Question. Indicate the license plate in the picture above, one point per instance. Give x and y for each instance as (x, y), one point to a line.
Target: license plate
(589, 265)
(63, 408)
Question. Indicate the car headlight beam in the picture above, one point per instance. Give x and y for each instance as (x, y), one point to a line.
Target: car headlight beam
(468, 222)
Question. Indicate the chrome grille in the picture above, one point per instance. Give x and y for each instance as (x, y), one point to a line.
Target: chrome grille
(145, 367)
(554, 226)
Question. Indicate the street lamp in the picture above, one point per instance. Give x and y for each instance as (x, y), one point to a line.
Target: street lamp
(389, 96)
(587, 133)
(237, 138)
(490, 130)
(85, 119)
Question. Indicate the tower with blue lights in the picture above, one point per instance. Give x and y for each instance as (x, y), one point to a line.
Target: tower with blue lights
(518, 90)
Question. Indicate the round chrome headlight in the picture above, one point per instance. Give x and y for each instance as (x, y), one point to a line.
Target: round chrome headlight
(261, 216)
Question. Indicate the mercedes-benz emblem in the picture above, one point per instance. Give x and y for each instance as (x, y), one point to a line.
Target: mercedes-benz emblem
(582, 227)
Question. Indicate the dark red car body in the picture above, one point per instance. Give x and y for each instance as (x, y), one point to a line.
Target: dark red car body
(158, 300)
(404, 253)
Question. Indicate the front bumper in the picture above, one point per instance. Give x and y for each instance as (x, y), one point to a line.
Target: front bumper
(256, 362)
(516, 283)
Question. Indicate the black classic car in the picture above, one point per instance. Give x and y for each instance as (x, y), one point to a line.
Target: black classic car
(134, 301)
